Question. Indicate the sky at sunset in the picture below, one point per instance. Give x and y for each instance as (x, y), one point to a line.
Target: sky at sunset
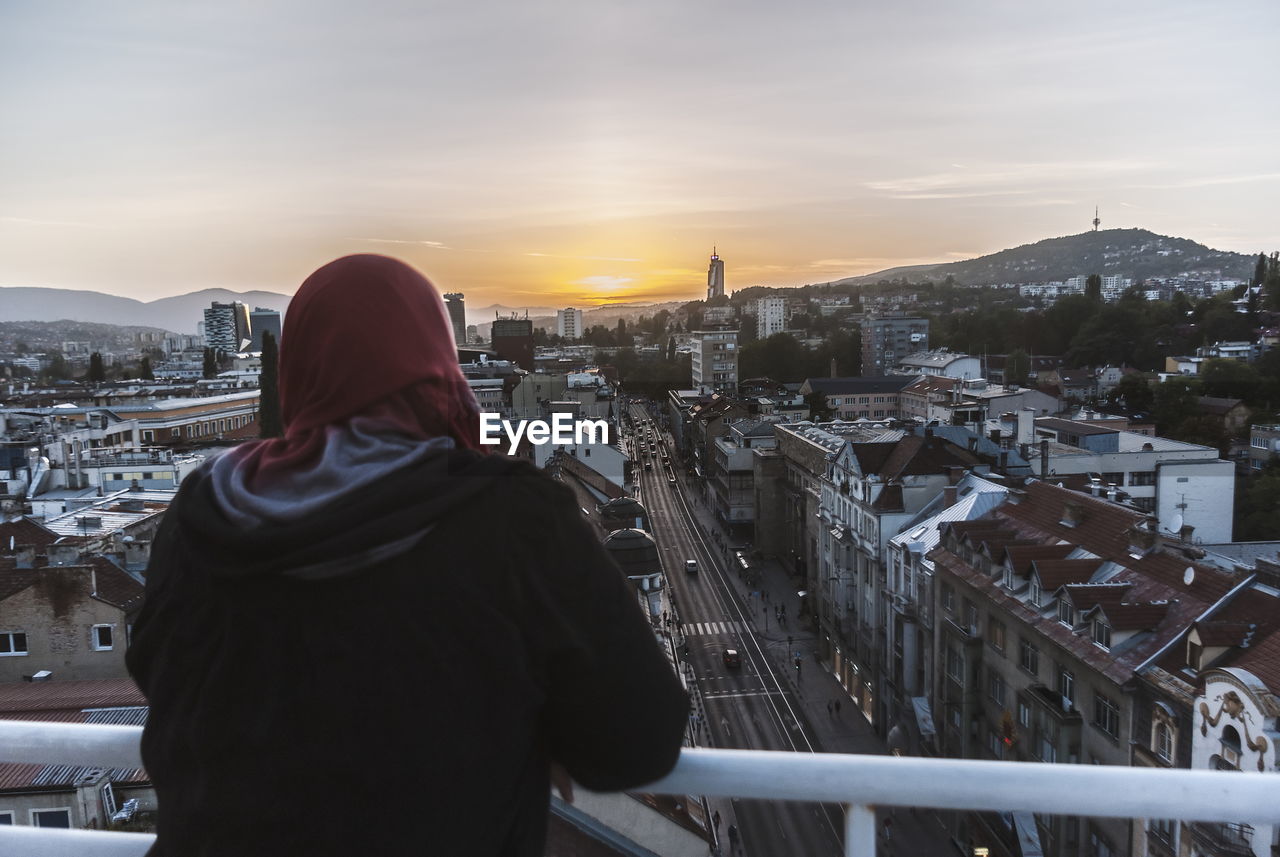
(554, 153)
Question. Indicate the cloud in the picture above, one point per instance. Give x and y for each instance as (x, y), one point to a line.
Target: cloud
(589, 258)
(997, 181)
(31, 221)
(603, 281)
(1207, 182)
(433, 244)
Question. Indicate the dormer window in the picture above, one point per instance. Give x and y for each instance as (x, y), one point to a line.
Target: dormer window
(1035, 591)
(1008, 577)
(1066, 613)
(1102, 633)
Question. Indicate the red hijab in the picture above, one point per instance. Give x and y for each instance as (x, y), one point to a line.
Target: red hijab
(365, 335)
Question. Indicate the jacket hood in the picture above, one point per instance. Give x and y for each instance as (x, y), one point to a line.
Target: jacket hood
(370, 524)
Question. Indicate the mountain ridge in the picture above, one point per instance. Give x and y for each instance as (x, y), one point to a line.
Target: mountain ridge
(1135, 253)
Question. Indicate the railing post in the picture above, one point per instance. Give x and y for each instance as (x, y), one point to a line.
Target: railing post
(859, 830)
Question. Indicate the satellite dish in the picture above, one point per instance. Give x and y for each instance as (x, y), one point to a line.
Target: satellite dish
(1175, 526)
(1189, 575)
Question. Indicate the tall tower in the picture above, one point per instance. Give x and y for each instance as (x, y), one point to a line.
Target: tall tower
(1096, 221)
(457, 307)
(715, 276)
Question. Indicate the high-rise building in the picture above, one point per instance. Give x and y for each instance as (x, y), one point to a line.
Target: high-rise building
(889, 338)
(513, 340)
(227, 328)
(771, 317)
(715, 360)
(569, 323)
(457, 306)
(715, 276)
(263, 319)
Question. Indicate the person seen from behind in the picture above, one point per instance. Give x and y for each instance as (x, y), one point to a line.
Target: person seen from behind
(369, 637)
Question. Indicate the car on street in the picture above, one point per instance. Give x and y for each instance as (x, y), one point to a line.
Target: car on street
(691, 566)
(732, 658)
(648, 465)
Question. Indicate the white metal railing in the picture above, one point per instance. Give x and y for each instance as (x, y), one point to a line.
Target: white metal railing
(860, 782)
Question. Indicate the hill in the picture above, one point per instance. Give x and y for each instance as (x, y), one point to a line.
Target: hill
(179, 314)
(1135, 253)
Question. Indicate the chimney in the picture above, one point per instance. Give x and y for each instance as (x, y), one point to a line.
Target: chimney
(948, 496)
(955, 472)
(1026, 425)
(1044, 459)
(137, 555)
(63, 555)
(1072, 514)
(833, 368)
(25, 556)
(1142, 540)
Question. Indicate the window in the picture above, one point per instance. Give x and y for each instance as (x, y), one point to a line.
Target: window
(1102, 633)
(1024, 715)
(995, 687)
(1142, 477)
(970, 616)
(6, 816)
(13, 643)
(1034, 595)
(995, 634)
(1029, 657)
(948, 598)
(101, 637)
(1164, 742)
(955, 665)
(1106, 715)
(1067, 685)
(1098, 845)
(1066, 613)
(51, 817)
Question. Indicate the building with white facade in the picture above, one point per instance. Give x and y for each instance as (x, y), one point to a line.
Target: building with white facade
(941, 363)
(1189, 489)
(569, 323)
(771, 317)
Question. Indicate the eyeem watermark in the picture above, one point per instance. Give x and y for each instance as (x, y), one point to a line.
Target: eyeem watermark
(563, 429)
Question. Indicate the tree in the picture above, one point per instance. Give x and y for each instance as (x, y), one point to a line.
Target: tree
(210, 363)
(671, 348)
(145, 372)
(1093, 287)
(97, 369)
(1230, 379)
(1017, 367)
(622, 333)
(269, 422)
(1133, 393)
(1259, 271)
(817, 402)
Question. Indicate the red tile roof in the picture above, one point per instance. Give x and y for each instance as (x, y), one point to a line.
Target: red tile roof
(25, 531)
(1022, 555)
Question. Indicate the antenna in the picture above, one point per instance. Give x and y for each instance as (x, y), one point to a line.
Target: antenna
(1096, 221)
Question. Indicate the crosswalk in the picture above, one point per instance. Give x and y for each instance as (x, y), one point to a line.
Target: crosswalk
(699, 629)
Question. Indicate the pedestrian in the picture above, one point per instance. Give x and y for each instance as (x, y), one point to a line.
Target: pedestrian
(369, 508)
(715, 819)
(837, 706)
(829, 708)
(733, 837)
(784, 609)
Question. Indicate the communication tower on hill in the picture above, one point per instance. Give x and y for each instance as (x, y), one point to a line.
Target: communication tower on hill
(1096, 221)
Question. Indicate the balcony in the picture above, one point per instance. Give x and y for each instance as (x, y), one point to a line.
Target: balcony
(859, 782)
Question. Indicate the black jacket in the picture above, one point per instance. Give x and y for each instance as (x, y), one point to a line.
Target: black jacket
(403, 705)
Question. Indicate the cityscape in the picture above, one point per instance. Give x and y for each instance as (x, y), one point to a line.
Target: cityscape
(954, 442)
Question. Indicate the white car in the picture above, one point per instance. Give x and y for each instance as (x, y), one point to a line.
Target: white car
(691, 566)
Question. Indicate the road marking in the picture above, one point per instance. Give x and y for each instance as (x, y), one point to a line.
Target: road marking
(698, 629)
(727, 694)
